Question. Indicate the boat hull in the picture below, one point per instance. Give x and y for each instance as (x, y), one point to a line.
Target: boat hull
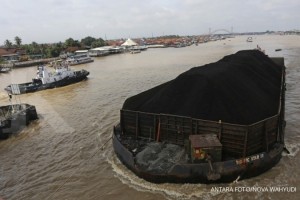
(226, 171)
(80, 62)
(33, 87)
(16, 120)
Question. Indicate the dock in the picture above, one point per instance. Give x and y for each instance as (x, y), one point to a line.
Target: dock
(27, 63)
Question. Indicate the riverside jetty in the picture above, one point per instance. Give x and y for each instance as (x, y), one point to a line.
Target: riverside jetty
(27, 63)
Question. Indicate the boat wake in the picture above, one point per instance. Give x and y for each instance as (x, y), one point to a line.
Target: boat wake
(168, 190)
(293, 150)
(3, 95)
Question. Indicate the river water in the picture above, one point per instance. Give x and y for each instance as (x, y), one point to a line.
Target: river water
(64, 154)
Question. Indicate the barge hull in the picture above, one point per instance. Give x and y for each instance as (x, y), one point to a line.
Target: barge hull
(228, 171)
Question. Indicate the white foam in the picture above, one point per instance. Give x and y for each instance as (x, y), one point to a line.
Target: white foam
(292, 148)
(170, 191)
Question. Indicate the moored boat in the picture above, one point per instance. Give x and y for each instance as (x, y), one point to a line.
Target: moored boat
(213, 123)
(80, 57)
(5, 69)
(62, 76)
(135, 51)
(99, 51)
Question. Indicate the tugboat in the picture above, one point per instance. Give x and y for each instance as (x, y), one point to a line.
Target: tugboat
(215, 123)
(62, 76)
(14, 117)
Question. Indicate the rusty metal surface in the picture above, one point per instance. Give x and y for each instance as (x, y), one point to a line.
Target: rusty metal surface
(205, 140)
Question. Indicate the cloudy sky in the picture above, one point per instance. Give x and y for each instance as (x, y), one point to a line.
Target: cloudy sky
(46, 21)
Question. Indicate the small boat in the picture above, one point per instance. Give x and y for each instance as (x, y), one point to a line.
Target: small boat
(249, 39)
(5, 69)
(180, 45)
(62, 76)
(100, 51)
(80, 57)
(135, 51)
(15, 117)
(278, 49)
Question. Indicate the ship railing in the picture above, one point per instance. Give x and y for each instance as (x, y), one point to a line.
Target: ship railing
(237, 140)
(14, 110)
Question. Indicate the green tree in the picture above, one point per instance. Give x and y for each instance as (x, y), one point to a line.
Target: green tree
(18, 41)
(70, 42)
(35, 48)
(43, 49)
(53, 51)
(87, 41)
(98, 43)
(8, 44)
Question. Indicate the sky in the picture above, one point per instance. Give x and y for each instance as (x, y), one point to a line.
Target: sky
(51, 21)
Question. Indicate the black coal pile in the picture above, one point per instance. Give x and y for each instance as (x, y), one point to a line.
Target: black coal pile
(242, 88)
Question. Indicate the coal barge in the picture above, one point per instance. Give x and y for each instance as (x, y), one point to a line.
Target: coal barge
(216, 123)
(62, 76)
(15, 117)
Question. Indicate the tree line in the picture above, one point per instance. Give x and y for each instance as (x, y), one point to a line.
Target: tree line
(54, 50)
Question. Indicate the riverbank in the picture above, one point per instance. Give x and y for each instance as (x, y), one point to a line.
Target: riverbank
(27, 63)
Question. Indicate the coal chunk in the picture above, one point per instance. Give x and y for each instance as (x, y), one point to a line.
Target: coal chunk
(159, 157)
(242, 88)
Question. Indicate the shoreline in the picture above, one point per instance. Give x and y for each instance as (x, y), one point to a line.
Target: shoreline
(28, 63)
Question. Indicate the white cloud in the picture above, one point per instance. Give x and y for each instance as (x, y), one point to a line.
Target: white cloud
(56, 20)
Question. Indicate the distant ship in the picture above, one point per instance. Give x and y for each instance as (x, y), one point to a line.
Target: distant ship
(62, 76)
(81, 57)
(249, 39)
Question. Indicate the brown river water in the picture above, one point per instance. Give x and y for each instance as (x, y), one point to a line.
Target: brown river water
(60, 156)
